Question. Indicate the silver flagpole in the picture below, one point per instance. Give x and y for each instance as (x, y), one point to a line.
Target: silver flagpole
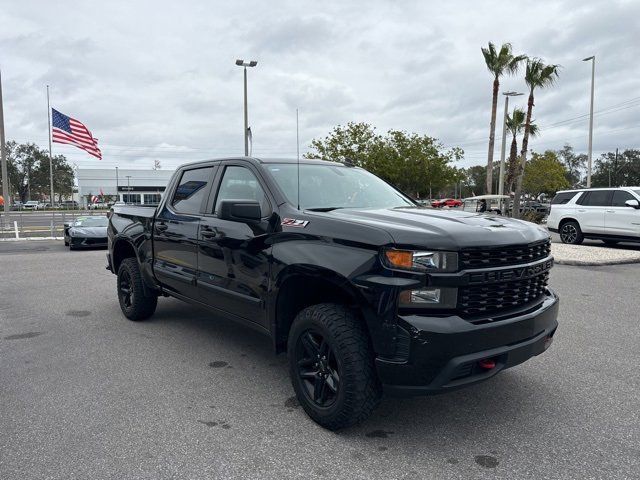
(50, 156)
(3, 153)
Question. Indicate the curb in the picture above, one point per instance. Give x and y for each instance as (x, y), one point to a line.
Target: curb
(586, 263)
(30, 239)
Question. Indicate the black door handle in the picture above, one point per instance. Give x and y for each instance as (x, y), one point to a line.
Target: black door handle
(208, 234)
(161, 227)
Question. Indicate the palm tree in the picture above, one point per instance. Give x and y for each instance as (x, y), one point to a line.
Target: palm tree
(515, 126)
(537, 75)
(498, 63)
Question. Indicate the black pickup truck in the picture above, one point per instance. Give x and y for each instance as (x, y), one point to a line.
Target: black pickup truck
(364, 290)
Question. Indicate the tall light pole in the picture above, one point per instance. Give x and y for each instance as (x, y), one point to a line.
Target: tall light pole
(504, 140)
(593, 75)
(243, 64)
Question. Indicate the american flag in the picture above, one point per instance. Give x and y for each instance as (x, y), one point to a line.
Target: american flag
(69, 130)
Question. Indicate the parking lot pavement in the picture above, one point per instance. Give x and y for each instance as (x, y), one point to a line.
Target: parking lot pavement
(85, 393)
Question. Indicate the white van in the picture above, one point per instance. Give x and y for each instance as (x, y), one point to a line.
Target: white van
(608, 214)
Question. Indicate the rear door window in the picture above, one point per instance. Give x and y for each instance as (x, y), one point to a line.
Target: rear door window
(192, 190)
(597, 198)
(563, 198)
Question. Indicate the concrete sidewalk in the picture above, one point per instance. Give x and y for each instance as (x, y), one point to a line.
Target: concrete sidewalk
(592, 255)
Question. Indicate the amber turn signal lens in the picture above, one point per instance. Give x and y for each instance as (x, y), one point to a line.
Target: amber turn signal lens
(400, 258)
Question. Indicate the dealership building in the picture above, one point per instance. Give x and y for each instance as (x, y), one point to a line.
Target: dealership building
(129, 186)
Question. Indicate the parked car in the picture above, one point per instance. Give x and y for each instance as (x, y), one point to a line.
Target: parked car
(86, 232)
(17, 206)
(534, 206)
(608, 214)
(98, 205)
(363, 289)
(446, 202)
(32, 205)
(69, 205)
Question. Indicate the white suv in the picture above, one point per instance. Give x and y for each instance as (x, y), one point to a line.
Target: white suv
(608, 214)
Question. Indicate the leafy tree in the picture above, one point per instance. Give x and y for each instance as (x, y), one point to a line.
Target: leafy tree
(357, 142)
(28, 171)
(573, 163)
(498, 63)
(416, 164)
(515, 126)
(537, 75)
(476, 178)
(620, 172)
(62, 177)
(545, 174)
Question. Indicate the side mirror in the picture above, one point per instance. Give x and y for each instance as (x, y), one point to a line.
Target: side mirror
(247, 211)
(632, 203)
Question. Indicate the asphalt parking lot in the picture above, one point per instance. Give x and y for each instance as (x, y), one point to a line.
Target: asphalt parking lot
(84, 393)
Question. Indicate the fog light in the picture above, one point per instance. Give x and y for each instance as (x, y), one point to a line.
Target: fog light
(429, 295)
(429, 298)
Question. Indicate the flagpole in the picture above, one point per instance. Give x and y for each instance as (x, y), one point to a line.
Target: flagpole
(50, 156)
(3, 154)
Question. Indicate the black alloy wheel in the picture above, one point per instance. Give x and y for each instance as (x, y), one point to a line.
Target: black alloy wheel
(332, 365)
(135, 302)
(570, 233)
(318, 368)
(124, 289)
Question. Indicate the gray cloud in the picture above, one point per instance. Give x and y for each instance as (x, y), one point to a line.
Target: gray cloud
(158, 80)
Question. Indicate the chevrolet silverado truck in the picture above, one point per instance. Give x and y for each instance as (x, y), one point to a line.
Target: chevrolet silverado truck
(364, 290)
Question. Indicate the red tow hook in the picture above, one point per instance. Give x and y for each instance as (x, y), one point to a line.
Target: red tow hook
(487, 364)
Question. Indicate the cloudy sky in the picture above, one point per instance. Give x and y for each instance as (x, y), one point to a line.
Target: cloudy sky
(156, 79)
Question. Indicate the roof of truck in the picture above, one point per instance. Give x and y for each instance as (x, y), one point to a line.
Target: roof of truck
(304, 161)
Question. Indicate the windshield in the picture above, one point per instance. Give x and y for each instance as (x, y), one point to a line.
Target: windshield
(91, 222)
(329, 187)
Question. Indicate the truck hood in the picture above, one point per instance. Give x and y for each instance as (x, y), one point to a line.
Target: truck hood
(444, 229)
(89, 231)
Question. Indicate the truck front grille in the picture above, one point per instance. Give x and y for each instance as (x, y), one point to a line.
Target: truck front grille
(484, 257)
(494, 298)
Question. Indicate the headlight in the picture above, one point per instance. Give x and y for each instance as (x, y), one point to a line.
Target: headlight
(423, 261)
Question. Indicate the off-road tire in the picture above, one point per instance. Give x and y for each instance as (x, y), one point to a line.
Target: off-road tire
(571, 233)
(138, 306)
(359, 388)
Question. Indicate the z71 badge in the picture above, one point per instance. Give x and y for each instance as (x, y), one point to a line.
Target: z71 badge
(292, 222)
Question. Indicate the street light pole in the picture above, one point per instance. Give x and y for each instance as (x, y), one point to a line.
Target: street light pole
(504, 141)
(593, 75)
(244, 65)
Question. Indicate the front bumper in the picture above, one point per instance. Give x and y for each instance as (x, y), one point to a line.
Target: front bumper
(446, 353)
(88, 242)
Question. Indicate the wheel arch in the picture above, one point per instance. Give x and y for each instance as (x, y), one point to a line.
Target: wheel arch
(300, 286)
(122, 248)
(565, 220)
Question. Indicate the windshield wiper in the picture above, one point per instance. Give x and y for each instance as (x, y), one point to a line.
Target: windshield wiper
(323, 209)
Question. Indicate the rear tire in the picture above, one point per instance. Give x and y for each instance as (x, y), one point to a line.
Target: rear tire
(331, 363)
(570, 233)
(135, 305)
